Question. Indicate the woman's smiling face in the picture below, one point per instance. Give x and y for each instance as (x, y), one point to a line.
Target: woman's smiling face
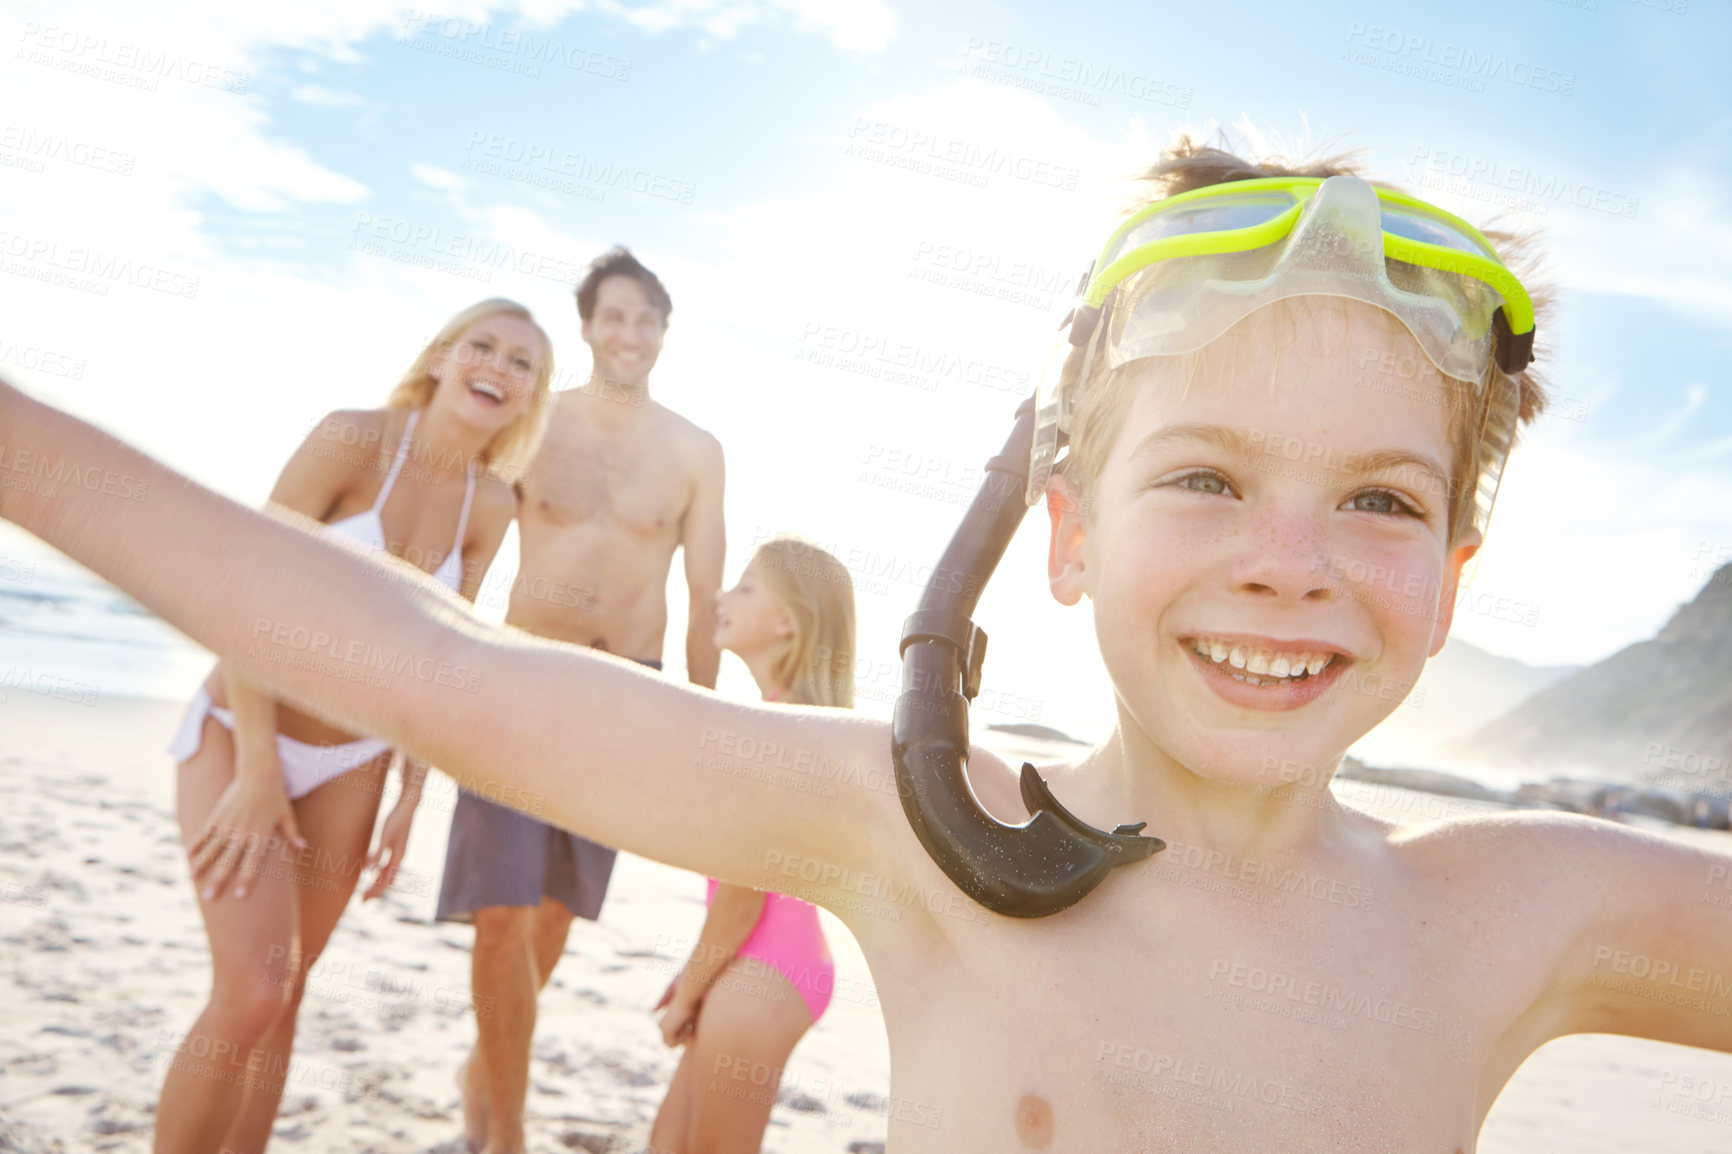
(1268, 555)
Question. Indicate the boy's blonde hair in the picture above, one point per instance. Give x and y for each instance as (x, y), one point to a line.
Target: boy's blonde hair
(509, 452)
(818, 593)
(1102, 400)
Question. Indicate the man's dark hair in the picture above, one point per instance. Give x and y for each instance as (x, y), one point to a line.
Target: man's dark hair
(617, 261)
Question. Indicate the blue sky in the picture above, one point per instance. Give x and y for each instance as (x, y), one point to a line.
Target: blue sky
(297, 161)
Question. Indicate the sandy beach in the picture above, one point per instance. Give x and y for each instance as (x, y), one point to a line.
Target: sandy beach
(104, 966)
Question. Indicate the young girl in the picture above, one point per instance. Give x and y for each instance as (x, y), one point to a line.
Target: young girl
(1289, 974)
(281, 803)
(760, 975)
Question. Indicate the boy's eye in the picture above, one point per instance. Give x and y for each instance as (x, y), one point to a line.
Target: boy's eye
(1382, 501)
(1212, 483)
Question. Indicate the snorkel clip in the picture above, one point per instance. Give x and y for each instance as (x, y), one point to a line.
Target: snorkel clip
(1053, 860)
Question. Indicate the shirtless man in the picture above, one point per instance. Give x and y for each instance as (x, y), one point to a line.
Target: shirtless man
(619, 483)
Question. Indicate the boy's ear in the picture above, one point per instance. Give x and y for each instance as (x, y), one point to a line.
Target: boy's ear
(1066, 569)
(1458, 557)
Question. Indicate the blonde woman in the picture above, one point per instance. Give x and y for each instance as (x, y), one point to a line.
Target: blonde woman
(276, 806)
(761, 974)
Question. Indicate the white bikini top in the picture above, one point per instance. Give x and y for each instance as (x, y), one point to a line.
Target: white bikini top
(369, 528)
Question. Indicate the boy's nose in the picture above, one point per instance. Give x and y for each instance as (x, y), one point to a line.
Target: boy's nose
(1283, 556)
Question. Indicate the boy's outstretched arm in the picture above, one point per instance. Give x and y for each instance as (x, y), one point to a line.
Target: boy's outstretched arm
(587, 741)
(1653, 957)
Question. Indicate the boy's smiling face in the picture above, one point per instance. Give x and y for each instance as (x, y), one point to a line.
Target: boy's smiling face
(1268, 554)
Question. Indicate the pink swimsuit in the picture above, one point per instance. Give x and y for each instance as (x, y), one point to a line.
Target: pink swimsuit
(789, 938)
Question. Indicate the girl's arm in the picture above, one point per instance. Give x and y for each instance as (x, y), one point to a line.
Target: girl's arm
(730, 921)
(767, 796)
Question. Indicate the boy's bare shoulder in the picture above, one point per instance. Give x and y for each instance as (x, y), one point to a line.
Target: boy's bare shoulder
(1559, 851)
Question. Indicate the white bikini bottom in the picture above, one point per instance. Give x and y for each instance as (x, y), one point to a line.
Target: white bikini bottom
(305, 767)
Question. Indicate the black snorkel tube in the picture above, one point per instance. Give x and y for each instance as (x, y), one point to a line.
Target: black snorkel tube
(1053, 860)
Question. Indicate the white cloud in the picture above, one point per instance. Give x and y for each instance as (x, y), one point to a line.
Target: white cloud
(435, 177)
(321, 97)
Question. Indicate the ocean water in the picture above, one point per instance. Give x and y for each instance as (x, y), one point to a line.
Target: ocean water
(67, 634)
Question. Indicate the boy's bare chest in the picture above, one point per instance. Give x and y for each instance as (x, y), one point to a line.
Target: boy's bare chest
(1208, 1026)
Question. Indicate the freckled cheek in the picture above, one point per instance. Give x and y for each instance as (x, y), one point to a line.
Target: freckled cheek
(1402, 592)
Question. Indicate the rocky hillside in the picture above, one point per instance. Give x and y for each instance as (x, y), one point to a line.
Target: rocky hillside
(1657, 712)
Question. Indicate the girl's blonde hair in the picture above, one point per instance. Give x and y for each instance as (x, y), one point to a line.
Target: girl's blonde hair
(1103, 399)
(509, 452)
(818, 593)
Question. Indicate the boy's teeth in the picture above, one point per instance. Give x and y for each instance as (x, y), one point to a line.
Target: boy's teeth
(1261, 663)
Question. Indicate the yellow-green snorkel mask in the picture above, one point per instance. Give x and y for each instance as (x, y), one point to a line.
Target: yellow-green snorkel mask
(1181, 272)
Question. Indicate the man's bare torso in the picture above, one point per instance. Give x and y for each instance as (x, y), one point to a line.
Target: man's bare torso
(600, 516)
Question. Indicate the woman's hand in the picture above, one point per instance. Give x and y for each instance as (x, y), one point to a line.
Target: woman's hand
(680, 1023)
(242, 827)
(393, 843)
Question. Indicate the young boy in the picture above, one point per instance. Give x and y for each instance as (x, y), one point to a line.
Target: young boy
(1289, 974)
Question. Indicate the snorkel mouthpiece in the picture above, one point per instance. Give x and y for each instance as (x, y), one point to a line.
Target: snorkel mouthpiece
(1053, 860)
